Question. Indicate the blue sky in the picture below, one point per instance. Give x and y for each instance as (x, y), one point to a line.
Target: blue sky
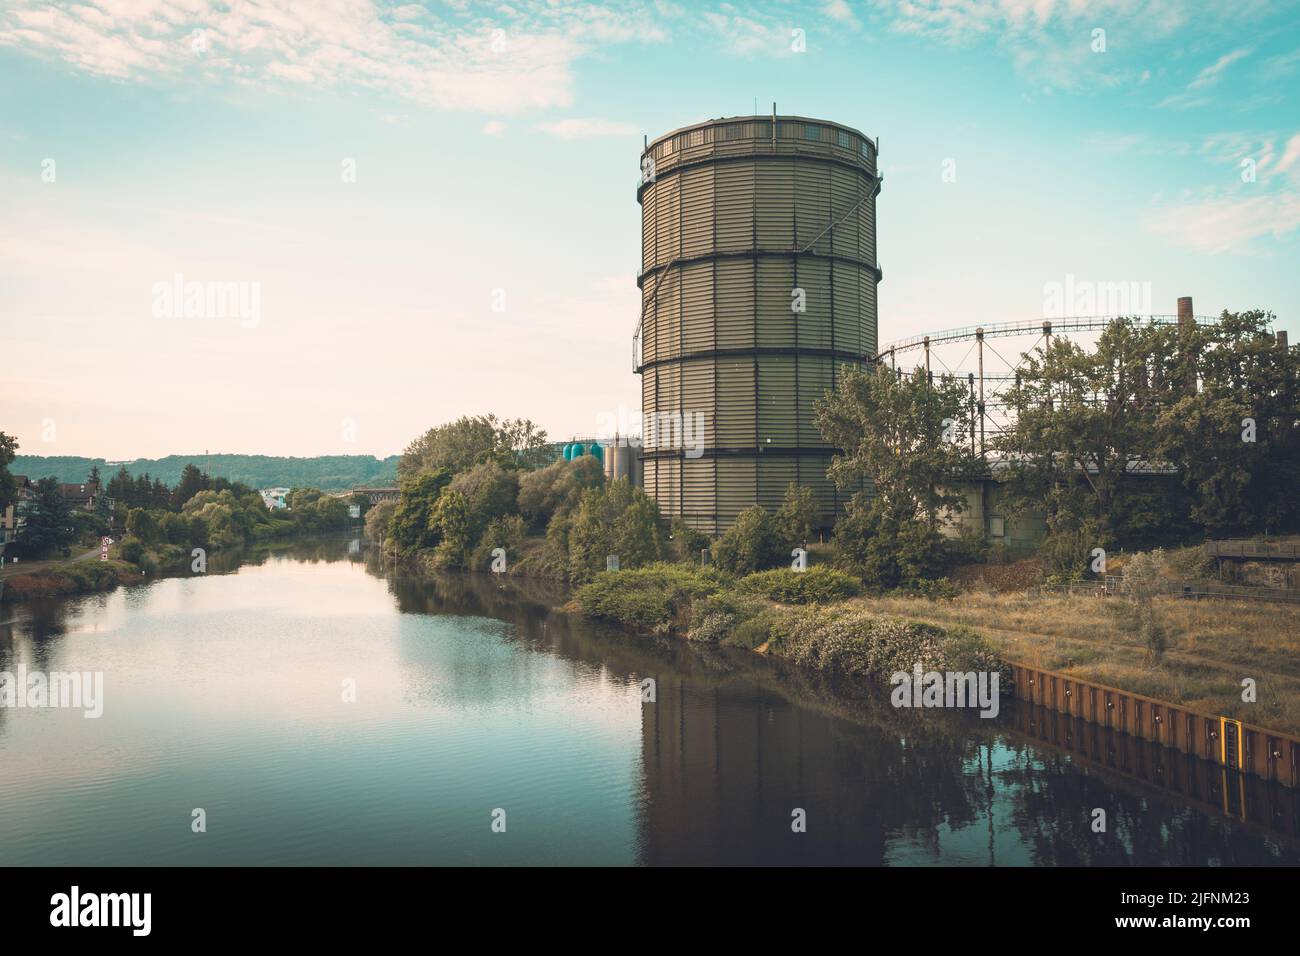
(496, 147)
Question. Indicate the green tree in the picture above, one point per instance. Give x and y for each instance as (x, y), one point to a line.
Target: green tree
(173, 528)
(614, 519)
(8, 487)
(411, 527)
(901, 433)
(557, 488)
(121, 488)
(159, 495)
(454, 523)
(887, 546)
(378, 519)
(754, 543)
(490, 492)
(1234, 439)
(192, 482)
(1084, 420)
(143, 525)
(473, 440)
(797, 516)
(302, 499)
(904, 435)
(328, 512)
(49, 527)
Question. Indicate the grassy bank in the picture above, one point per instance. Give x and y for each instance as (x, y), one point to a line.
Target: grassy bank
(1213, 645)
(817, 619)
(806, 618)
(81, 577)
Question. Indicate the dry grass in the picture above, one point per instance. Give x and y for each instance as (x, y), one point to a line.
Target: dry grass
(1213, 645)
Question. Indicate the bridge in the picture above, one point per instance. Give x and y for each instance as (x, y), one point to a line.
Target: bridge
(377, 495)
(1246, 550)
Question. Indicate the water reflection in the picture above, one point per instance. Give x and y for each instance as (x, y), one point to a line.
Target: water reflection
(474, 692)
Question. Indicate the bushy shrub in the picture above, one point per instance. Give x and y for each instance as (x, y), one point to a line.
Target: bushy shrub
(616, 519)
(132, 549)
(656, 598)
(1187, 564)
(817, 585)
(715, 617)
(968, 547)
(557, 488)
(451, 517)
(1066, 552)
(938, 589)
(857, 643)
(797, 516)
(490, 491)
(506, 532)
(886, 547)
(142, 524)
(378, 519)
(685, 542)
(753, 543)
(410, 526)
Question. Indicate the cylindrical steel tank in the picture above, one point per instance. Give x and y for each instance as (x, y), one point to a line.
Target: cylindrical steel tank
(758, 283)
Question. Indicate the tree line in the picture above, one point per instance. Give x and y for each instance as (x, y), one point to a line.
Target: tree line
(1157, 435)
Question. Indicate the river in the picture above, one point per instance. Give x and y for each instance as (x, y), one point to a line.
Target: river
(319, 708)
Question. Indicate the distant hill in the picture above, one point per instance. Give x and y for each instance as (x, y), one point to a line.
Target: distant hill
(326, 472)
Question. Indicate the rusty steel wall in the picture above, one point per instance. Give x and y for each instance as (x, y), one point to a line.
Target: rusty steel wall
(1264, 753)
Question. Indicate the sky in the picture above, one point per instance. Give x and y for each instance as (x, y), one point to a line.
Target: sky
(429, 210)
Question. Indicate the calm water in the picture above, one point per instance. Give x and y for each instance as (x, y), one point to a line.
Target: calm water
(225, 692)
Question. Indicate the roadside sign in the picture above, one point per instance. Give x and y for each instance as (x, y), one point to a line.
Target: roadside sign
(104, 542)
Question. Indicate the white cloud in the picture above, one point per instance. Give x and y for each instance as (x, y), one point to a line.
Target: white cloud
(1218, 224)
(493, 128)
(1231, 218)
(585, 128)
(750, 34)
(1049, 41)
(1214, 72)
(841, 12)
(516, 59)
(1277, 67)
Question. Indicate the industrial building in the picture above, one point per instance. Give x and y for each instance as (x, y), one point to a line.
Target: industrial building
(758, 284)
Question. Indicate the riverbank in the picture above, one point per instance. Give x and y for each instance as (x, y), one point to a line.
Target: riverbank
(806, 618)
(1212, 645)
(87, 574)
(67, 578)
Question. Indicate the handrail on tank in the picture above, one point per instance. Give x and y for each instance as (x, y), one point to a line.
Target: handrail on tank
(1074, 323)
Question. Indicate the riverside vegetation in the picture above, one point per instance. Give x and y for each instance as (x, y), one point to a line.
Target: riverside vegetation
(1137, 444)
(156, 527)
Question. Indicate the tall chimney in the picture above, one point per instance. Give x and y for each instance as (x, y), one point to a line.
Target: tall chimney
(1186, 321)
(1281, 339)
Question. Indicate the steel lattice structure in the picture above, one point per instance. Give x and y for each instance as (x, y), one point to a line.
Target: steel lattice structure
(987, 370)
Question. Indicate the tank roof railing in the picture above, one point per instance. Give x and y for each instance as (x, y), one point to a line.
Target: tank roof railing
(1075, 323)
